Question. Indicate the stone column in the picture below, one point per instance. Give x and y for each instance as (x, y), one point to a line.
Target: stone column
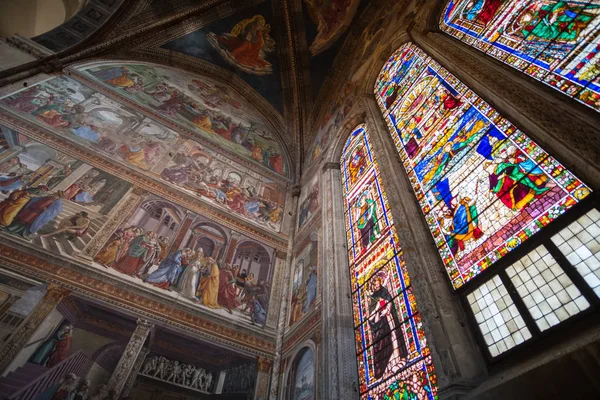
(134, 372)
(458, 363)
(183, 230)
(126, 366)
(18, 339)
(284, 299)
(261, 389)
(339, 366)
(567, 130)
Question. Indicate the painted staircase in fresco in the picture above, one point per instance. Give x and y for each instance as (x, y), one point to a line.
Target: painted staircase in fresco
(60, 243)
(20, 378)
(31, 380)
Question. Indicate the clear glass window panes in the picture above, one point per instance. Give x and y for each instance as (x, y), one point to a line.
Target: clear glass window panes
(580, 243)
(549, 294)
(501, 324)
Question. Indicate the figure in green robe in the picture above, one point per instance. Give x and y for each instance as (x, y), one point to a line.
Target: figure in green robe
(558, 21)
(367, 220)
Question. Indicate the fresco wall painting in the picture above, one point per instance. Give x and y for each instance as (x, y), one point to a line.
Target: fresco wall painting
(86, 117)
(197, 261)
(309, 201)
(305, 277)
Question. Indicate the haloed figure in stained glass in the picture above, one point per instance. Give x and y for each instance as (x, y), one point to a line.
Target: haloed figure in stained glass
(357, 164)
(481, 11)
(366, 220)
(460, 222)
(515, 179)
(559, 21)
(389, 350)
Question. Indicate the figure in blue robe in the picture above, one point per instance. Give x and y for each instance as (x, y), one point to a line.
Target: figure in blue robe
(87, 133)
(168, 271)
(311, 289)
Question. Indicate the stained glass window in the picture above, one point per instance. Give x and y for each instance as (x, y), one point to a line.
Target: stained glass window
(483, 185)
(556, 42)
(393, 358)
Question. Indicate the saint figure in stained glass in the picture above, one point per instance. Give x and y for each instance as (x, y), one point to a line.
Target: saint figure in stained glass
(366, 220)
(357, 164)
(384, 322)
(555, 42)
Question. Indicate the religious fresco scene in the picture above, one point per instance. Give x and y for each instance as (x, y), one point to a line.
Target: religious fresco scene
(305, 278)
(192, 259)
(244, 43)
(90, 119)
(309, 201)
(299, 200)
(201, 105)
(54, 201)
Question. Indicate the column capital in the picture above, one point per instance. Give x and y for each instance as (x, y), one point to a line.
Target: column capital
(144, 323)
(331, 165)
(264, 364)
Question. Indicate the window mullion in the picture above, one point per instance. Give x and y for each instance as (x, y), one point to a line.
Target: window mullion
(516, 298)
(573, 274)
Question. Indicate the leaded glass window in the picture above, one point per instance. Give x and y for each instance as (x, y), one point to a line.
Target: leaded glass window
(484, 186)
(555, 42)
(393, 358)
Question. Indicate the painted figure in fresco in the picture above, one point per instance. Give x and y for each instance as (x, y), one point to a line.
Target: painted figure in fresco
(556, 21)
(81, 393)
(62, 347)
(299, 293)
(357, 164)
(258, 312)
(311, 288)
(16, 201)
(366, 220)
(47, 349)
(515, 179)
(108, 255)
(169, 269)
(460, 223)
(74, 227)
(139, 251)
(332, 18)
(309, 206)
(120, 77)
(481, 11)
(66, 388)
(246, 46)
(189, 281)
(209, 285)
(389, 347)
(227, 297)
(37, 213)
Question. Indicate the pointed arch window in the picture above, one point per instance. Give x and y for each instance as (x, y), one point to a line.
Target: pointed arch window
(485, 189)
(391, 348)
(555, 42)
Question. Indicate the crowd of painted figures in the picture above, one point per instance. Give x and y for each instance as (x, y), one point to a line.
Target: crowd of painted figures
(186, 172)
(72, 387)
(196, 276)
(182, 374)
(32, 204)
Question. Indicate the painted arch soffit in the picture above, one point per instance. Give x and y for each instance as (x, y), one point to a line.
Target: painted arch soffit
(216, 109)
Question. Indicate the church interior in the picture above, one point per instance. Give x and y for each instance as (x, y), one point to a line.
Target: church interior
(299, 199)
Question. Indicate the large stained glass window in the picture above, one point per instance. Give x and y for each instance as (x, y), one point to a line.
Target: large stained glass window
(482, 184)
(556, 42)
(393, 358)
